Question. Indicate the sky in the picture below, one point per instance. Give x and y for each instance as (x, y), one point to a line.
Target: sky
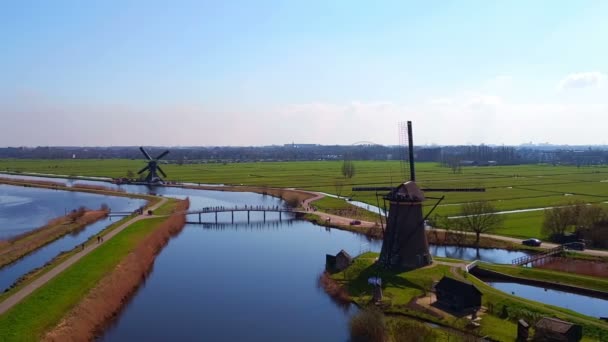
(216, 73)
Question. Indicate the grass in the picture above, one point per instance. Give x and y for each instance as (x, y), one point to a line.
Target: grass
(401, 287)
(44, 308)
(337, 206)
(507, 187)
(600, 284)
(168, 208)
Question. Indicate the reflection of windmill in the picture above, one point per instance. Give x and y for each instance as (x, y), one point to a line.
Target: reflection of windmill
(152, 167)
(405, 244)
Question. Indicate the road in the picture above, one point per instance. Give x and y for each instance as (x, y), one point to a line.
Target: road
(43, 279)
(346, 221)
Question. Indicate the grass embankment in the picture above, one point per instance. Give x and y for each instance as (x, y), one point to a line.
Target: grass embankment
(19, 246)
(100, 281)
(550, 276)
(401, 288)
(507, 187)
(340, 207)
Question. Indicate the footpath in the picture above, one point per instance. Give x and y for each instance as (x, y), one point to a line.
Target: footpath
(40, 281)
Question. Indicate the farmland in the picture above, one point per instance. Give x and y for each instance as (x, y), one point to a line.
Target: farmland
(507, 187)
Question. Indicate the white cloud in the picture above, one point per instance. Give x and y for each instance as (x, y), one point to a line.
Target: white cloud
(582, 80)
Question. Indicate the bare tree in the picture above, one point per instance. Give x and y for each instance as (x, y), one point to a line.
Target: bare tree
(479, 217)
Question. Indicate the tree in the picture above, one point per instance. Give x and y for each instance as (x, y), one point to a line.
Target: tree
(557, 221)
(348, 168)
(479, 217)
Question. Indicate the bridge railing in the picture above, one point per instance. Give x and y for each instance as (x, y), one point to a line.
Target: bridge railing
(535, 257)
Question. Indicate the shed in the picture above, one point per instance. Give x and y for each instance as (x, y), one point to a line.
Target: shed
(457, 294)
(338, 262)
(553, 329)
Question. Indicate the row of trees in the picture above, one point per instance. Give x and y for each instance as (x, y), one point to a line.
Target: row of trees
(580, 221)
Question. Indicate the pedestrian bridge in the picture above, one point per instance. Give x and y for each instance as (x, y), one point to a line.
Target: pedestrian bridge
(246, 208)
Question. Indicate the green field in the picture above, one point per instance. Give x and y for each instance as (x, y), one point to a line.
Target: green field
(507, 187)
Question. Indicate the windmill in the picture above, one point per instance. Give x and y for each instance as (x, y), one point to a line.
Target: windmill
(405, 244)
(152, 167)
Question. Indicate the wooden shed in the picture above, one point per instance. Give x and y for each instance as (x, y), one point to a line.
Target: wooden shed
(457, 294)
(553, 329)
(338, 262)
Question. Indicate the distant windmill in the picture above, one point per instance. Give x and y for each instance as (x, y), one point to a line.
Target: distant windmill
(152, 167)
(405, 244)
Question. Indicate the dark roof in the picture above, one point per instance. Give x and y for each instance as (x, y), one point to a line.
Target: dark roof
(554, 324)
(343, 252)
(453, 285)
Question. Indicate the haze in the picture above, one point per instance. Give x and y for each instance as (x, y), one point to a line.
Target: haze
(273, 72)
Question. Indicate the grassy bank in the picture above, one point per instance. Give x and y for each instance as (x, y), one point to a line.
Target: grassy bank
(402, 288)
(17, 247)
(43, 309)
(103, 302)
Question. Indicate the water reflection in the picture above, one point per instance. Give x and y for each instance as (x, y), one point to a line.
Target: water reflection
(493, 255)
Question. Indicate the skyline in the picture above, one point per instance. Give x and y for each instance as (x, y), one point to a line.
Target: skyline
(203, 74)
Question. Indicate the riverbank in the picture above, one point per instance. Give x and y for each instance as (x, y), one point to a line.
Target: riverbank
(591, 286)
(27, 314)
(102, 303)
(408, 293)
(15, 248)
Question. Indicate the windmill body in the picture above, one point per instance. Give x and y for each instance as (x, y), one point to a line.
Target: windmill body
(405, 244)
(153, 168)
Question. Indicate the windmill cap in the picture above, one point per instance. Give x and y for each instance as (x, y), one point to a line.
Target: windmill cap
(409, 190)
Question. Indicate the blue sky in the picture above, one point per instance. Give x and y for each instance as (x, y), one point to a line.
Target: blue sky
(253, 73)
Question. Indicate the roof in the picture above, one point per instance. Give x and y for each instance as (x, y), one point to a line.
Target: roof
(554, 324)
(343, 252)
(454, 285)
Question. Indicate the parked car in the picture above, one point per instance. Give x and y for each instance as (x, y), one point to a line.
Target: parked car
(532, 242)
(577, 246)
(355, 222)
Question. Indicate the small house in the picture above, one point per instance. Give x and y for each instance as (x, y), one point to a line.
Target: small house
(457, 294)
(338, 262)
(553, 329)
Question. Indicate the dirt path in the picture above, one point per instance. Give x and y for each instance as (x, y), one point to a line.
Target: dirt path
(31, 287)
(340, 220)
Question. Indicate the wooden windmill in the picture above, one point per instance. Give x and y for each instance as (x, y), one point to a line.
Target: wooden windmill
(405, 244)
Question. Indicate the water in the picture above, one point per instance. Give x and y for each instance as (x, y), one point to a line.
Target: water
(586, 305)
(11, 273)
(493, 255)
(23, 208)
(251, 282)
